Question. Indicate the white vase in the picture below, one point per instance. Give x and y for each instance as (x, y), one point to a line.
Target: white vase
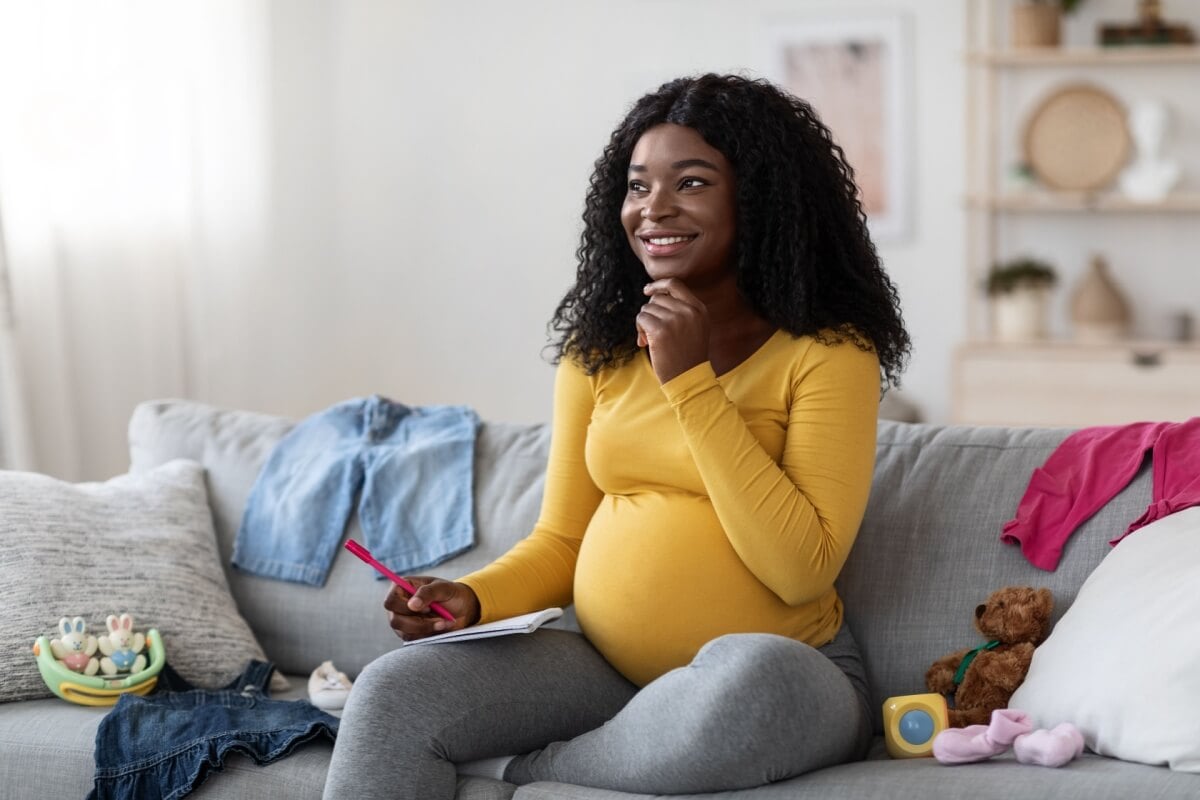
(1019, 315)
(1150, 177)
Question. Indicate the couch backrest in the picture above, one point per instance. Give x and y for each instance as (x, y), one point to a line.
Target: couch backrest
(927, 554)
(300, 626)
(929, 548)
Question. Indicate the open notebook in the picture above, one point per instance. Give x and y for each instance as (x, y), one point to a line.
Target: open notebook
(501, 627)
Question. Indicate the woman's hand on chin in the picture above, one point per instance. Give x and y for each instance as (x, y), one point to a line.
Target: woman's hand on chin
(673, 324)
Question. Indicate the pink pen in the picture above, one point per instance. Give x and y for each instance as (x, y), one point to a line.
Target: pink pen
(365, 555)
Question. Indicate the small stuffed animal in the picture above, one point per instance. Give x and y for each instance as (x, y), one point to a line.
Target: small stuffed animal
(76, 646)
(1015, 619)
(121, 646)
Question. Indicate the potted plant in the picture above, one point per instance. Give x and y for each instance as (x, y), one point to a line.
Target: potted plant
(1037, 23)
(1019, 290)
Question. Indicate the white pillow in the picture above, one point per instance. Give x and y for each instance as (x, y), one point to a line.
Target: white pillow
(138, 544)
(1123, 663)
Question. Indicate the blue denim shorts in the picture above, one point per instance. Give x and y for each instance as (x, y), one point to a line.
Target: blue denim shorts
(412, 468)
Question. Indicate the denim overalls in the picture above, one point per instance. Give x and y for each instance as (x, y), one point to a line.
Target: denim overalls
(164, 745)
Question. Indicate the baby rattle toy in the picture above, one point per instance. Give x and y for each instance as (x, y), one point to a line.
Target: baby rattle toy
(911, 722)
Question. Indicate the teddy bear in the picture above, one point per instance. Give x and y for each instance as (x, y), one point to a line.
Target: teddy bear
(1015, 619)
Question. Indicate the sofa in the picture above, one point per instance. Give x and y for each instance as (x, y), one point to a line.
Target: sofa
(927, 554)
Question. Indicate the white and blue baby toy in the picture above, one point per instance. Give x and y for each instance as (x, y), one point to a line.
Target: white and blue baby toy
(122, 647)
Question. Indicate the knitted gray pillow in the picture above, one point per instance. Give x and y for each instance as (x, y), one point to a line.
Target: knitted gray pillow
(138, 544)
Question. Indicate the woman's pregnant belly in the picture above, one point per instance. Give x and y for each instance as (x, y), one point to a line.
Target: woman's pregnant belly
(657, 578)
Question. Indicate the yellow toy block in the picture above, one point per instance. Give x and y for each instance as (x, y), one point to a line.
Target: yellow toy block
(910, 723)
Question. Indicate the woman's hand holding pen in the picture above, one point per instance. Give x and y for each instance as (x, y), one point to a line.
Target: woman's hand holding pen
(674, 325)
(410, 615)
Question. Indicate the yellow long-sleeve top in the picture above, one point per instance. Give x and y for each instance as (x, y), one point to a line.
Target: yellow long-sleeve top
(676, 513)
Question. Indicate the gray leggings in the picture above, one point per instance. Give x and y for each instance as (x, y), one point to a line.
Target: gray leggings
(751, 708)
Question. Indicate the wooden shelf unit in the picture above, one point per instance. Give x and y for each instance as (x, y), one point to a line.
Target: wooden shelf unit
(1050, 383)
(1058, 381)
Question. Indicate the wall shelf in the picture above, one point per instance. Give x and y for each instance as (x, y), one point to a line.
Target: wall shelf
(1074, 202)
(1087, 56)
(1124, 349)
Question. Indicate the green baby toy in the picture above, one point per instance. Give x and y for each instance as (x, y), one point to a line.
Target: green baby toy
(69, 667)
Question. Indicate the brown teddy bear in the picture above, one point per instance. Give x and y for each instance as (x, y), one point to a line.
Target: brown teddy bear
(1015, 619)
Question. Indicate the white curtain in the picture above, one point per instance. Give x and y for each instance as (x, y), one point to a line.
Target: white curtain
(15, 448)
(132, 174)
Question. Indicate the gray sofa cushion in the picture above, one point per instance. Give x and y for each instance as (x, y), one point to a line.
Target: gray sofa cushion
(1087, 778)
(929, 548)
(49, 743)
(300, 626)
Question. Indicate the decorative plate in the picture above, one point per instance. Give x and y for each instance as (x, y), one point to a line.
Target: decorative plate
(1077, 138)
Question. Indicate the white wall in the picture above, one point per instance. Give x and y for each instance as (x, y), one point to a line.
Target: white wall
(388, 200)
(431, 160)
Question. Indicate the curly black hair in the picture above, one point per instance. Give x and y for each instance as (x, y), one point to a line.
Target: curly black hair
(804, 260)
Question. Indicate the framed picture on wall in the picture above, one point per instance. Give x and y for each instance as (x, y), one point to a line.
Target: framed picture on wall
(855, 74)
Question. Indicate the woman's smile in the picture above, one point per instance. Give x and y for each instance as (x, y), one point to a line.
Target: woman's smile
(661, 244)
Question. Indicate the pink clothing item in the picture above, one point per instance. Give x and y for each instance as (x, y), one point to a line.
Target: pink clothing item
(1089, 468)
(1052, 748)
(1009, 727)
(977, 742)
(1176, 474)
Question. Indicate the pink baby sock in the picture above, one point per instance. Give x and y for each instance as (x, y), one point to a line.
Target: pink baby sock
(1051, 748)
(977, 742)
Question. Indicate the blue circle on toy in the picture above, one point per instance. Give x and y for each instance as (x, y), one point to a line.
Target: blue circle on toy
(916, 726)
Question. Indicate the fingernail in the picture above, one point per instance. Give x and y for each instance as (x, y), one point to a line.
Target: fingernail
(440, 625)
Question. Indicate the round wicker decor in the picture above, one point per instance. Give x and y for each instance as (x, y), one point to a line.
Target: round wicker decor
(1077, 139)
